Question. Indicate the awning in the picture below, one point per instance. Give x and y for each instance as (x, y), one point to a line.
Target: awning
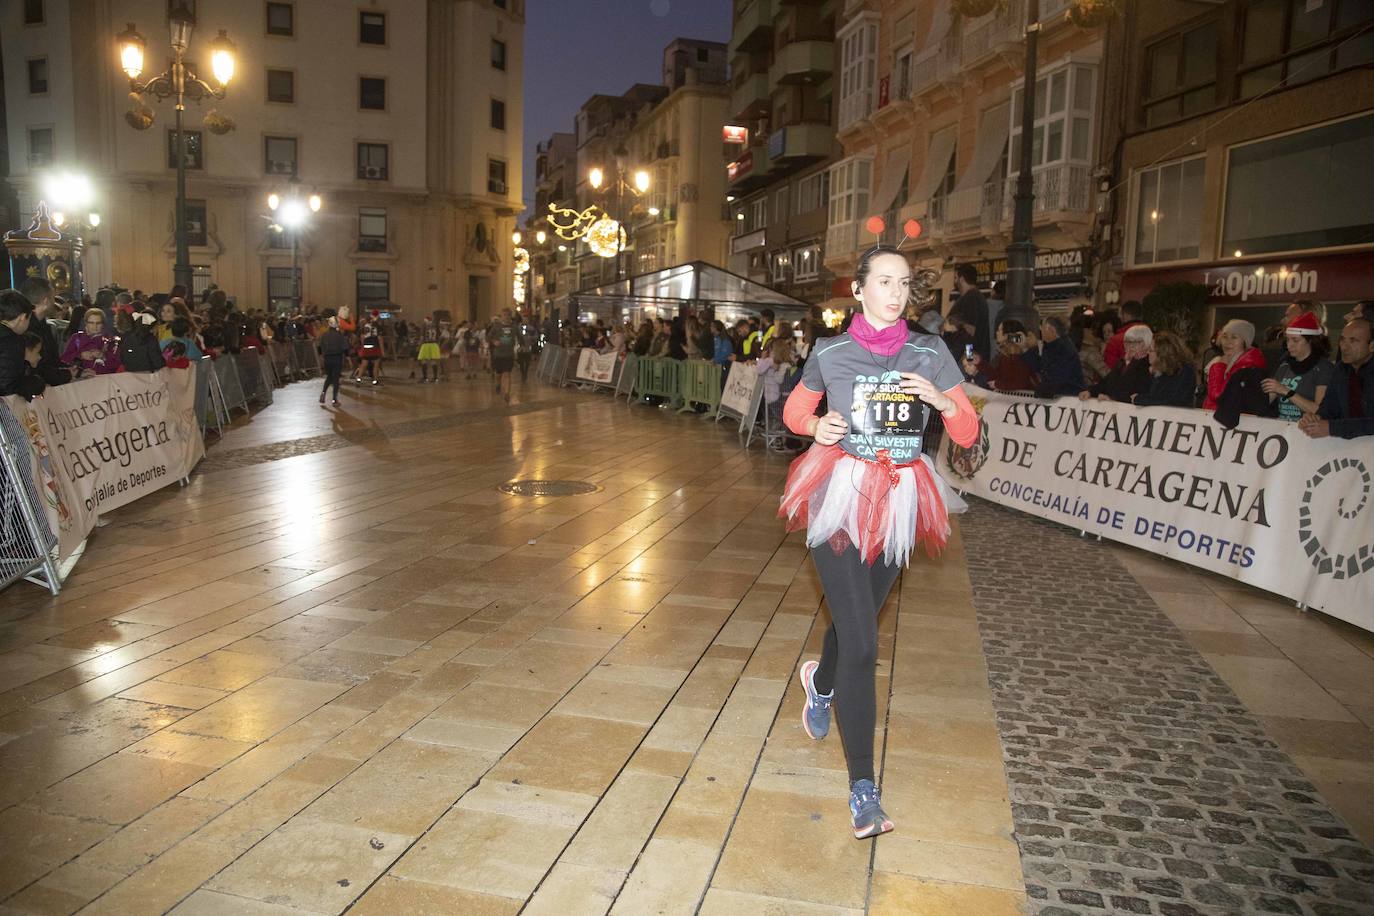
(895, 172)
(940, 25)
(993, 130)
(936, 164)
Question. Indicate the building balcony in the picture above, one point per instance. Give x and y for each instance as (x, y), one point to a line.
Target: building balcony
(798, 144)
(750, 171)
(750, 96)
(753, 27)
(971, 211)
(1063, 194)
(841, 241)
(803, 61)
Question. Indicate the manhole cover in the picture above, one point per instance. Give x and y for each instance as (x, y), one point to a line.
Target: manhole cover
(548, 487)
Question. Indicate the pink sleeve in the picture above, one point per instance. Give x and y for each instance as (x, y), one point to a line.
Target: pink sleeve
(963, 426)
(800, 408)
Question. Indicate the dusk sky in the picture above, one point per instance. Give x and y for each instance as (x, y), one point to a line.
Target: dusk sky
(575, 49)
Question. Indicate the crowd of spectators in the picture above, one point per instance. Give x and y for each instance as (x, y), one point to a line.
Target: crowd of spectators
(1116, 356)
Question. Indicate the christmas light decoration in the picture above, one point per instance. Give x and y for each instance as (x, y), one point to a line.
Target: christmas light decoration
(606, 238)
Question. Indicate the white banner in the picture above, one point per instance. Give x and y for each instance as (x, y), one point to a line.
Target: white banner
(1262, 503)
(739, 389)
(103, 442)
(596, 367)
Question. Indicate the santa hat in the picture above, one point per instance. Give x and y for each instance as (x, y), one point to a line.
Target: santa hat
(1305, 324)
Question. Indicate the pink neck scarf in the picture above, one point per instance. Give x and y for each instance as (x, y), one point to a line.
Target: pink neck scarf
(887, 342)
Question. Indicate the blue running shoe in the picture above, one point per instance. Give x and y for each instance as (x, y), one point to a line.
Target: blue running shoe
(866, 811)
(816, 712)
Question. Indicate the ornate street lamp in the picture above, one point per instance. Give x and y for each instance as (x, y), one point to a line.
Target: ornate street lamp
(293, 213)
(180, 83)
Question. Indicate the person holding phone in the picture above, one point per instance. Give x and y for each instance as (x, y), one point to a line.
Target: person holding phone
(866, 495)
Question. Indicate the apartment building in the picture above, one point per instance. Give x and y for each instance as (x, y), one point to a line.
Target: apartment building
(928, 113)
(1246, 129)
(783, 65)
(405, 117)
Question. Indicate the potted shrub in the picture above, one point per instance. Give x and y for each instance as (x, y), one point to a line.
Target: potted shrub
(1092, 14)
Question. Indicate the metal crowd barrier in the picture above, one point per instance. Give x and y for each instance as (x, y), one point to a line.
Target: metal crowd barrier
(307, 358)
(26, 541)
(659, 377)
(700, 384)
(230, 388)
(207, 411)
(541, 365)
(625, 384)
(284, 360)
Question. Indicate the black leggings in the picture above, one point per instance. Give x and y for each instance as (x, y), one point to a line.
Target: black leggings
(333, 369)
(855, 593)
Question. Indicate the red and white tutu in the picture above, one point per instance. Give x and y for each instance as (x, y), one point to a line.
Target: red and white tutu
(882, 508)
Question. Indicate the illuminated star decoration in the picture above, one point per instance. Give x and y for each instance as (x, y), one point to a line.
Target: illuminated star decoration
(571, 225)
(606, 237)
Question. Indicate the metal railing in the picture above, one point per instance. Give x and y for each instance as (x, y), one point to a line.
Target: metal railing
(1058, 188)
(842, 239)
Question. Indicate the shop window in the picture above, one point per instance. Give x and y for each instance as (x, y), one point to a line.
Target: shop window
(281, 86)
(1301, 191)
(371, 229)
(281, 19)
(1168, 212)
(373, 164)
(1181, 75)
(1288, 42)
(194, 152)
(279, 156)
(372, 28)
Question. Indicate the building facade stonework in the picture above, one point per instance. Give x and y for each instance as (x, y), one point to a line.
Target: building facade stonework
(405, 118)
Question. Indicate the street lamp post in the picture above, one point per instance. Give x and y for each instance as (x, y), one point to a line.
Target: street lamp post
(293, 214)
(180, 83)
(636, 183)
(1021, 251)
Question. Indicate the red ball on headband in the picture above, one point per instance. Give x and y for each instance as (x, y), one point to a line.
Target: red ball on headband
(912, 228)
(875, 225)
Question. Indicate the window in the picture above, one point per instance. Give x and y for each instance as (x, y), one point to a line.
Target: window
(279, 154)
(498, 114)
(281, 86)
(1301, 191)
(374, 288)
(372, 93)
(901, 74)
(371, 229)
(498, 54)
(939, 196)
(499, 4)
(1181, 75)
(806, 262)
(813, 192)
(372, 28)
(281, 19)
(496, 176)
(196, 235)
(372, 161)
(758, 213)
(40, 146)
(33, 12)
(282, 285)
(778, 264)
(1168, 212)
(38, 76)
(1063, 118)
(194, 150)
(703, 55)
(277, 236)
(1287, 42)
(780, 206)
(850, 185)
(858, 68)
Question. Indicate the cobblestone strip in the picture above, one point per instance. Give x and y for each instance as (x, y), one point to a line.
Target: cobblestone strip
(1139, 783)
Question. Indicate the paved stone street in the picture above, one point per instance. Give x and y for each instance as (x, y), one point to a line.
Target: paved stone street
(1139, 782)
(342, 671)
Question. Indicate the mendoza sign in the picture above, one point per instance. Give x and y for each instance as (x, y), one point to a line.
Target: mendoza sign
(1261, 503)
(101, 443)
(596, 367)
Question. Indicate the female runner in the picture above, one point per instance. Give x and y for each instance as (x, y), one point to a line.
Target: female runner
(866, 494)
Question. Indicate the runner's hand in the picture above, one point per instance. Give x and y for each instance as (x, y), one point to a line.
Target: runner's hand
(925, 389)
(830, 428)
